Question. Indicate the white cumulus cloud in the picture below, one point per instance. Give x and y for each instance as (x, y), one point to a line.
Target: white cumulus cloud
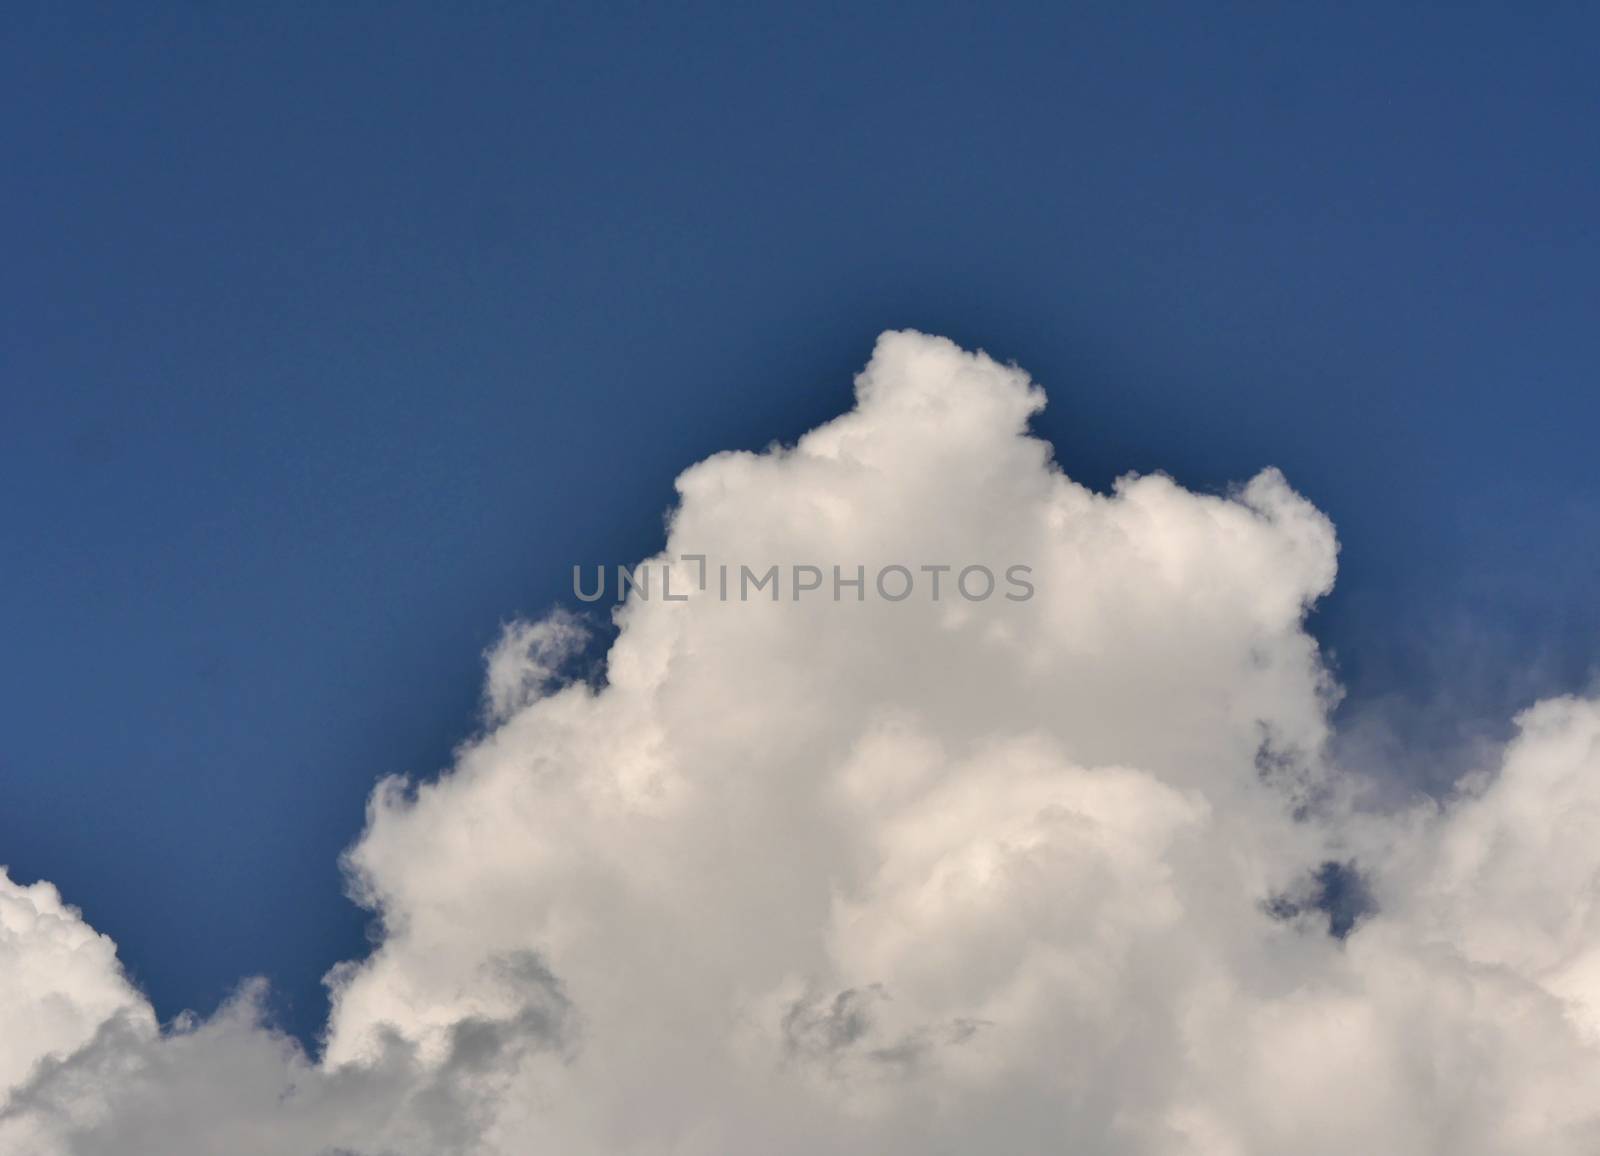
(1069, 873)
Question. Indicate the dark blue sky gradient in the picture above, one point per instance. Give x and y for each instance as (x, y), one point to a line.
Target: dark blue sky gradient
(330, 341)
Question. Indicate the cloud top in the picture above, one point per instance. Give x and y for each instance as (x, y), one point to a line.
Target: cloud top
(1072, 873)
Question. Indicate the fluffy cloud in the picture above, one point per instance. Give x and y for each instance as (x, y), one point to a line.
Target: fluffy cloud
(1066, 873)
(59, 980)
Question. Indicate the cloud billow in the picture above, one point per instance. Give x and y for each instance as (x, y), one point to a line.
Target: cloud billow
(1066, 874)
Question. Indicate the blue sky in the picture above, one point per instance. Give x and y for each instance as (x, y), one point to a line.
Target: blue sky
(331, 342)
